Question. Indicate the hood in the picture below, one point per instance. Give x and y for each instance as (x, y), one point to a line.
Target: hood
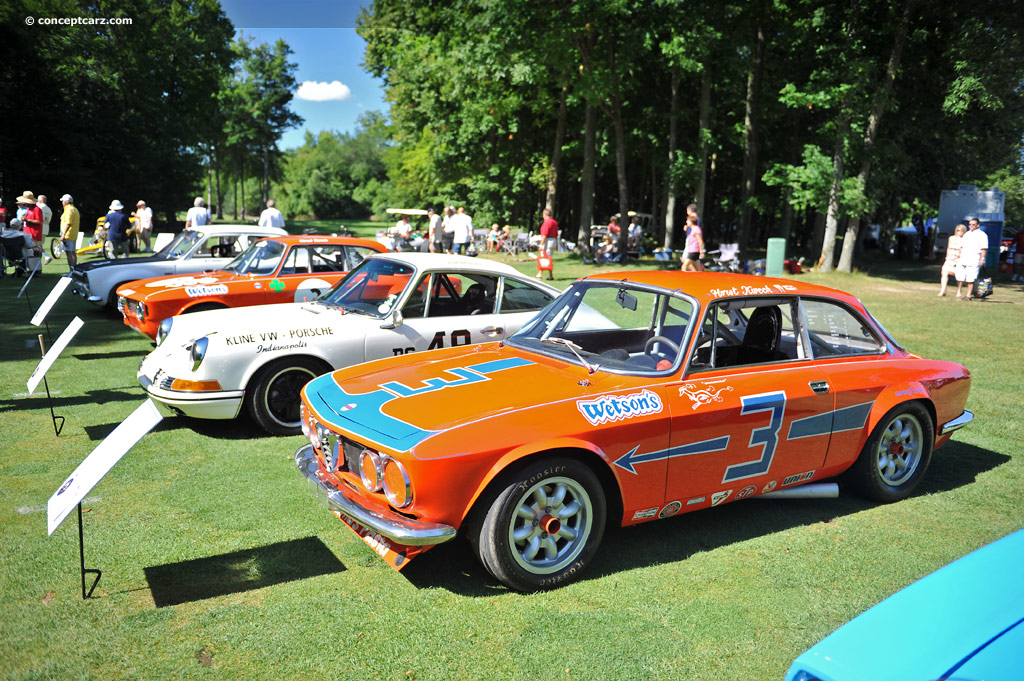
(99, 264)
(946, 623)
(201, 284)
(399, 402)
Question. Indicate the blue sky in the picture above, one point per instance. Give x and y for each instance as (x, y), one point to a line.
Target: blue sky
(326, 49)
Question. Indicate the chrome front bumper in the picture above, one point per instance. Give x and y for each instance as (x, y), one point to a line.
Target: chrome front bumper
(393, 526)
(957, 423)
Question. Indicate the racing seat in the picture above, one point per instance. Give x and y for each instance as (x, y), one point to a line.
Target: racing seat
(761, 341)
(475, 300)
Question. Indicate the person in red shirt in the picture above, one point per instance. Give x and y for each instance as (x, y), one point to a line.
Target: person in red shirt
(549, 233)
(32, 222)
(1018, 256)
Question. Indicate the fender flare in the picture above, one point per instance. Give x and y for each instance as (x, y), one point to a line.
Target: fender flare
(900, 393)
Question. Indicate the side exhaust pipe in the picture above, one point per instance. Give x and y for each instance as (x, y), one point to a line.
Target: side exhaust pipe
(821, 490)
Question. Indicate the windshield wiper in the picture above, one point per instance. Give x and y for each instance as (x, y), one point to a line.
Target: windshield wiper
(591, 368)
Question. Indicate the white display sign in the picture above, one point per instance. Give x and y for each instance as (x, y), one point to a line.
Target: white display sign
(51, 300)
(99, 463)
(53, 353)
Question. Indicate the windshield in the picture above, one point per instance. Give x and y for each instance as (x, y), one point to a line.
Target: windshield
(181, 244)
(612, 326)
(373, 288)
(261, 257)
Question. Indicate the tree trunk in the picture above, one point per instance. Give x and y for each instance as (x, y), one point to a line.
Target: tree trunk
(851, 240)
(703, 137)
(587, 178)
(670, 185)
(265, 191)
(828, 243)
(242, 197)
(620, 173)
(234, 194)
(750, 132)
(216, 177)
(556, 153)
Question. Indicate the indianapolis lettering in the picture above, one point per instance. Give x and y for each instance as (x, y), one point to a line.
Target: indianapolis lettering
(272, 347)
(614, 408)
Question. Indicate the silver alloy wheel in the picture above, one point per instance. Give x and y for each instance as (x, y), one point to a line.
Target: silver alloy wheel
(899, 449)
(551, 525)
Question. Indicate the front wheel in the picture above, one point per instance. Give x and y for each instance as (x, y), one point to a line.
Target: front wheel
(896, 455)
(543, 527)
(108, 250)
(56, 248)
(273, 400)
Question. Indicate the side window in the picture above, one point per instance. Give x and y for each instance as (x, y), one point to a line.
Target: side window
(328, 258)
(520, 297)
(417, 303)
(741, 332)
(835, 330)
(211, 248)
(296, 262)
(357, 254)
(461, 294)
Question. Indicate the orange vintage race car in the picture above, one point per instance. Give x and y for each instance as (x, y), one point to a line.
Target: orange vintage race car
(631, 397)
(281, 269)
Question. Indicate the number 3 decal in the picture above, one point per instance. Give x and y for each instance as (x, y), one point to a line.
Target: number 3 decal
(767, 437)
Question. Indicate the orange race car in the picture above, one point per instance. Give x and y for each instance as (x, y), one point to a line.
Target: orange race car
(633, 396)
(281, 269)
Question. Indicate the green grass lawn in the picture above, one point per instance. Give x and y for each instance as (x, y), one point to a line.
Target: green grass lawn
(217, 563)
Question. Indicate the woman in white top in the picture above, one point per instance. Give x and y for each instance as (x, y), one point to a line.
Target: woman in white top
(952, 255)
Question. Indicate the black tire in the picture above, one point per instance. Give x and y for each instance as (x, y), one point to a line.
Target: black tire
(896, 456)
(56, 248)
(513, 538)
(273, 396)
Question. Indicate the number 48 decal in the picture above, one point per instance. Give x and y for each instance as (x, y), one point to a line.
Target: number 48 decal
(767, 437)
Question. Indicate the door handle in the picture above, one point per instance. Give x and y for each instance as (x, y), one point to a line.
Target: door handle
(819, 386)
(493, 331)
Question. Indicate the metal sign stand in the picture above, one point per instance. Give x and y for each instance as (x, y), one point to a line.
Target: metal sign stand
(81, 555)
(58, 421)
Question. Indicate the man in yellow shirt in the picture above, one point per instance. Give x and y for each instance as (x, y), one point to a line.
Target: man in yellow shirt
(69, 220)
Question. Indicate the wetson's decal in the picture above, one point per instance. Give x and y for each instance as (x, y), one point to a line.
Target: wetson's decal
(200, 291)
(614, 407)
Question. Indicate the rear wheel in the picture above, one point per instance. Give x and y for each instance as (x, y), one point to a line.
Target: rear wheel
(896, 456)
(543, 527)
(273, 399)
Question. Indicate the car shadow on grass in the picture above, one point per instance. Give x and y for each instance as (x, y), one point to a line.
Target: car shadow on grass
(240, 571)
(454, 566)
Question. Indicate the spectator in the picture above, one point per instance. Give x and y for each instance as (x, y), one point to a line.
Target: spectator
(271, 217)
(694, 243)
(1018, 256)
(143, 226)
(69, 222)
(492, 238)
(13, 239)
(402, 231)
(198, 215)
(635, 234)
(47, 213)
(448, 229)
(32, 222)
(462, 231)
(952, 255)
(548, 233)
(613, 226)
(973, 247)
(117, 225)
(435, 232)
(605, 250)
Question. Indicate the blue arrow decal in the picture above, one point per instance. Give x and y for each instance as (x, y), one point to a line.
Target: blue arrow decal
(627, 460)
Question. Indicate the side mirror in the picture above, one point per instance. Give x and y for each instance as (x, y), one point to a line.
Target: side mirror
(394, 321)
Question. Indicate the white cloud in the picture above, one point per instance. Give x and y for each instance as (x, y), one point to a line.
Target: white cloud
(313, 91)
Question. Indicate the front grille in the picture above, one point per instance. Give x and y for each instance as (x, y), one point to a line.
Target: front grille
(352, 451)
(132, 307)
(166, 382)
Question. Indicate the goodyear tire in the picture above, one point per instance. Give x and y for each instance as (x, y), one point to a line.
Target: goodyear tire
(56, 248)
(896, 456)
(273, 400)
(543, 527)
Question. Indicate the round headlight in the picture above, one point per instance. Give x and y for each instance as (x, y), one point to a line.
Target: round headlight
(397, 486)
(199, 351)
(163, 330)
(369, 470)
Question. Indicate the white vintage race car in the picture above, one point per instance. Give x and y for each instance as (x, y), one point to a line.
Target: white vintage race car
(192, 250)
(208, 364)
